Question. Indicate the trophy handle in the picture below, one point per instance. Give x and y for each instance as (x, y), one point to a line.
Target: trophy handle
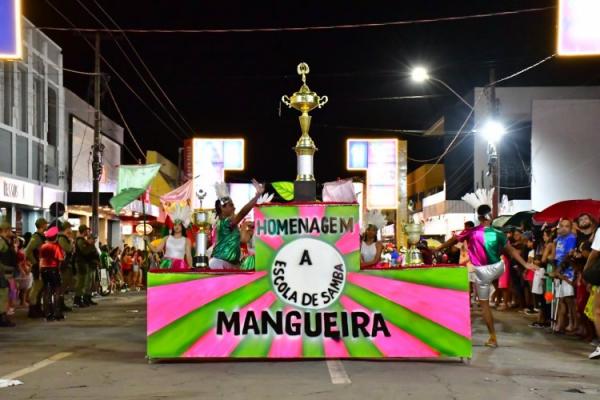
(322, 101)
(286, 100)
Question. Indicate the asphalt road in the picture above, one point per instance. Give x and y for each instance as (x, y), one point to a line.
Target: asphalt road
(99, 354)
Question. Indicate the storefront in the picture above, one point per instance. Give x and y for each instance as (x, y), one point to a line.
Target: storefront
(22, 202)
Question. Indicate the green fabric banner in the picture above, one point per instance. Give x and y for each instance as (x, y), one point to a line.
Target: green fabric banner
(133, 181)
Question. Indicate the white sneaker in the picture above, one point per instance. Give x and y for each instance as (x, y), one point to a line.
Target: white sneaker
(595, 354)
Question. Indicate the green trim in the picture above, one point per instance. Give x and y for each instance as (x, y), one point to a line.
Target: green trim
(456, 278)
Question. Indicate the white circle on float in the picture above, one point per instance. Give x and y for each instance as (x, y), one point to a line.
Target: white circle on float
(323, 278)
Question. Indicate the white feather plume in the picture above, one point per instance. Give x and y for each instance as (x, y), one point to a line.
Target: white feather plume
(265, 198)
(222, 190)
(375, 218)
(480, 197)
(181, 213)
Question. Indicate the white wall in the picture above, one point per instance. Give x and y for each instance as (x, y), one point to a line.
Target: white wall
(515, 106)
(565, 151)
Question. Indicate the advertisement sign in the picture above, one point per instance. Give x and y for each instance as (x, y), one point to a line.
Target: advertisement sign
(20, 192)
(308, 298)
(578, 33)
(210, 159)
(379, 157)
(10, 30)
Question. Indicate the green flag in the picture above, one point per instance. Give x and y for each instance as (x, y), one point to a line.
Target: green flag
(133, 181)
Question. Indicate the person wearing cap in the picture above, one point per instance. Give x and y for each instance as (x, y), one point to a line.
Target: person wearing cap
(51, 256)
(66, 270)
(8, 261)
(85, 256)
(32, 255)
(485, 245)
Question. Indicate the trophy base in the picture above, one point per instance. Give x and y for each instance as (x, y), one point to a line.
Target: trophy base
(200, 262)
(414, 257)
(305, 191)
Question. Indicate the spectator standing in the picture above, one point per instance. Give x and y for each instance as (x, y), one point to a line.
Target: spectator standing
(591, 274)
(8, 260)
(65, 242)
(85, 256)
(51, 257)
(32, 255)
(564, 276)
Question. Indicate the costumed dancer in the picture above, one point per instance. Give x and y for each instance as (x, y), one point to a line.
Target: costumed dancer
(485, 245)
(370, 247)
(177, 247)
(227, 252)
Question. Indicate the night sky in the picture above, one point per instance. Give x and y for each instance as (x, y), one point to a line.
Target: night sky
(230, 83)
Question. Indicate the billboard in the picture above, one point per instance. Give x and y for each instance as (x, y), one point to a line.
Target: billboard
(81, 161)
(379, 157)
(578, 28)
(210, 159)
(10, 30)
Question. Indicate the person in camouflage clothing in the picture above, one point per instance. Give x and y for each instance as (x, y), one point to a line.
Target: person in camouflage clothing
(8, 261)
(86, 260)
(66, 269)
(32, 256)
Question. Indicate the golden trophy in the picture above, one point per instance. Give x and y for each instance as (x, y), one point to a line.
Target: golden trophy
(413, 255)
(304, 100)
(201, 221)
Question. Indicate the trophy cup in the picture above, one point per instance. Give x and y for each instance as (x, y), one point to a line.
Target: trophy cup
(201, 222)
(305, 100)
(413, 255)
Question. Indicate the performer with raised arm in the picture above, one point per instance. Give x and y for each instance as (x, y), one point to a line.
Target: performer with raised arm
(227, 252)
(485, 245)
(177, 247)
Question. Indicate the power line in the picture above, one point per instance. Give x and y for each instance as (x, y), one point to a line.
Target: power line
(124, 121)
(312, 28)
(119, 75)
(146, 67)
(132, 64)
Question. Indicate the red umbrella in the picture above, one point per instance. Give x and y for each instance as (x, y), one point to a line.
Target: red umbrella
(569, 209)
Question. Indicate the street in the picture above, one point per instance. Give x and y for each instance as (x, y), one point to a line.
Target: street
(99, 353)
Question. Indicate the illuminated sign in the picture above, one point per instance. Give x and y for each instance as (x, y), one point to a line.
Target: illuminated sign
(379, 157)
(10, 29)
(211, 158)
(578, 28)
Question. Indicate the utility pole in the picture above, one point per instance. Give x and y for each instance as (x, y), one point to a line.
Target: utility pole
(493, 156)
(97, 148)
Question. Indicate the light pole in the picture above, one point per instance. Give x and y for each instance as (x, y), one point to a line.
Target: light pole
(493, 131)
(420, 75)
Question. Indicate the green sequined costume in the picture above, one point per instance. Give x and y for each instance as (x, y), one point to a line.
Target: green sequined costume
(228, 242)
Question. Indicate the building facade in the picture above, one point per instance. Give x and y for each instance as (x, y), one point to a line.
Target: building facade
(32, 145)
(79, 128)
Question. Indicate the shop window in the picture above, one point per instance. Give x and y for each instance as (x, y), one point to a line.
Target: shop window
(22, 156)
(5, 151)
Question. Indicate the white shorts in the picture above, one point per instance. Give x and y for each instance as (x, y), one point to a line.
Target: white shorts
(565, 290)
(537, 286)
(217, 263)
(25, 282)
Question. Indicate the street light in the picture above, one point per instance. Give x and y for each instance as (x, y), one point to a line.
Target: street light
(420, 75)
(493, 131)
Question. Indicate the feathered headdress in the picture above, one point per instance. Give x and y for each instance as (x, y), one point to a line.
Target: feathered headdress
(479, 198)
(222, 193)
(181, 215)
(374, 218)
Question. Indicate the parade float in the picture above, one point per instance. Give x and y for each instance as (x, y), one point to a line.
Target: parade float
(307, 296)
